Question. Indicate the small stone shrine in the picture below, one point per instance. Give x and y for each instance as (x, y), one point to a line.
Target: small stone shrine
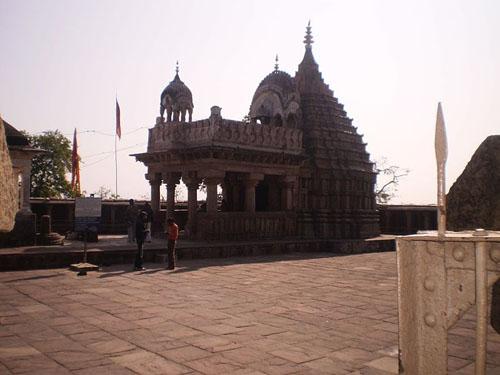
(297, 167)
(21, 153)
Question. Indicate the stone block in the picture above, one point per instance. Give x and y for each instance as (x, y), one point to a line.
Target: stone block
(474, 199)
(24, 232)
(8, 186)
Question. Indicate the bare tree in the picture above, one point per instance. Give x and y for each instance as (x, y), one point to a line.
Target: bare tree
(388, 177)
(106, 193)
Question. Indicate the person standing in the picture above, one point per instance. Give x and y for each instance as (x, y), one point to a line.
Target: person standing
(140, 236)
(131, 218)
(147, 208)
(172, 235)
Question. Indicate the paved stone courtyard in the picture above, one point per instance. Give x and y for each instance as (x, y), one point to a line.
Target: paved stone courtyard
(288, 314)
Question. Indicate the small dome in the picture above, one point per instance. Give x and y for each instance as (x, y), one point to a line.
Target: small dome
(279, 78)
(178, 92)
(177, 100)
(275, 99)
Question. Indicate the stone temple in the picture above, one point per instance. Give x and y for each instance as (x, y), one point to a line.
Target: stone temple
(296, 168)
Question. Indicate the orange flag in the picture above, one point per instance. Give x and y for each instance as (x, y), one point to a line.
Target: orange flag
(118, 126)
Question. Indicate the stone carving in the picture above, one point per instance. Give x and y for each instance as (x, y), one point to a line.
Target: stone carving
(455, 273)
(224, 132)
(474, 198)
(8, 186)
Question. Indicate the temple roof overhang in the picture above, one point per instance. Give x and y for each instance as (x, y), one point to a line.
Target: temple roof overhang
(220, 154)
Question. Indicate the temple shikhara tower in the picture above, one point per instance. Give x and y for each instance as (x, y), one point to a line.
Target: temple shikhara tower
(297, 168)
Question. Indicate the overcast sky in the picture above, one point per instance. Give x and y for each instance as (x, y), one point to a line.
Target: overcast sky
(388, 62)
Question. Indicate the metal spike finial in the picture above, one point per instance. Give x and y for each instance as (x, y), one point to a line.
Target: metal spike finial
(441, 147)
(308, 39)
(276, 66)
(177, 67)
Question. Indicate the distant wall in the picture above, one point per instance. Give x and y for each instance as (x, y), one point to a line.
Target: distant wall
(406, 219)
(62, 212)
(394, 219)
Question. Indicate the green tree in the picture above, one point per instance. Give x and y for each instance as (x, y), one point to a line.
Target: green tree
(48, 171)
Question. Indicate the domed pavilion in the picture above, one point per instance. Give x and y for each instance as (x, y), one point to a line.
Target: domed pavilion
(176, 99)
(296, 168)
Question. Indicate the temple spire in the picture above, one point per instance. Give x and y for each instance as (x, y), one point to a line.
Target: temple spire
(308, 39)
(276, 66)
(177, 67)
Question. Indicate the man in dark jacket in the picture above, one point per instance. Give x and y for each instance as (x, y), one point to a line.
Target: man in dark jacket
(140, 235)
(130, 217)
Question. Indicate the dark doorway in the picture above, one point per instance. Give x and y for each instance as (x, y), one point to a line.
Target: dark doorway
(261, 197)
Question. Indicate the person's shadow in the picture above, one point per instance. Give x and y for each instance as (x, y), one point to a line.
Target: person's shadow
(150, 270)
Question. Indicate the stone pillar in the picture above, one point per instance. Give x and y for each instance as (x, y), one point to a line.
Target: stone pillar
(192, 201)
(192, 183)
(225, 188)
(211, 178)
(211, 183)
(171, 181)
(251, 182)
(439, 278)
(155, 193)
(288, 184)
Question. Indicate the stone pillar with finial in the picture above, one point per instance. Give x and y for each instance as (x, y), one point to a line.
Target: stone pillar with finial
(441, 146)
(308, 39)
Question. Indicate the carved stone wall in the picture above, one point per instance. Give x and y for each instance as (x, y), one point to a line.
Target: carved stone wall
(8, 186)
(218, 131)
(338, 195)
(246, 226)
(474, 198)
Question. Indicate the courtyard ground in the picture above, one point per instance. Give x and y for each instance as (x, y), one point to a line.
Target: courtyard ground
(286, 314)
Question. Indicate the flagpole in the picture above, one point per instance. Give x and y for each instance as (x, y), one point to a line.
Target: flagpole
(116, 133)
(116, 172)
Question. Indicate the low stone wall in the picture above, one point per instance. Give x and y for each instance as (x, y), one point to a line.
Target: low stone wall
(394, 219)
(55, 257)
(246, 226)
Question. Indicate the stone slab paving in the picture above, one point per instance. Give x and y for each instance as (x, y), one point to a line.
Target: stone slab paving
(287, 314)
